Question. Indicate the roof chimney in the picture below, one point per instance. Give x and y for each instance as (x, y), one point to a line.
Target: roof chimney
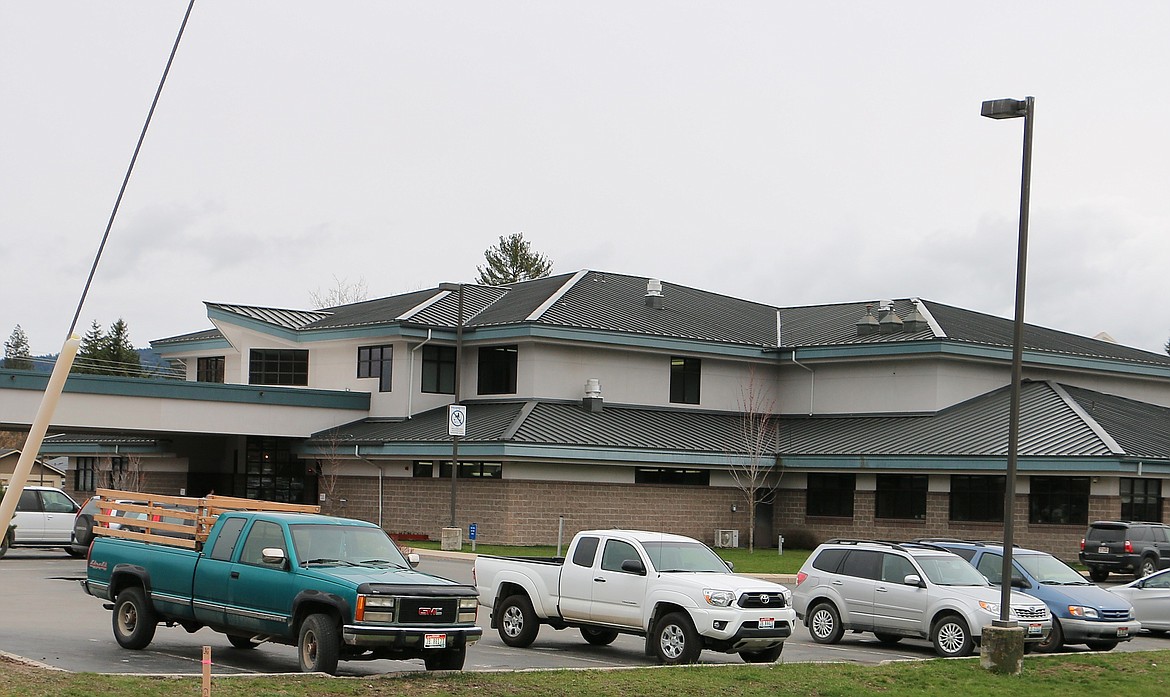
(868, 324)
(890, 323)
(592, 401)
(914, 321)
(654, 294)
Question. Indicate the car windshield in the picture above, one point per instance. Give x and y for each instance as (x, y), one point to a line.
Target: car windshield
(345, 545)
(950, 570)
(668, 556)
(1049, 570)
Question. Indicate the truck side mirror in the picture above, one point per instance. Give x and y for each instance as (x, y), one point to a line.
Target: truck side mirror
(730, 565)
(413, 559)
(634, 566)
(912, 580)
(274, 556)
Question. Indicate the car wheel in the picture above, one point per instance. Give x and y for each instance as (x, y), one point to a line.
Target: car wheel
(1148, 566)
(241, 642)
(317, 645)
(4, 544)
(888, 639)
(675, 640)
(1055, 640)
(134, 619)
(1101, 645)
(516, 621)
(599, 637)
(75, 552)
(83, 529)
(765, 656)
(951, 637)
(446, 660)
(824, 623)
(1098, 574)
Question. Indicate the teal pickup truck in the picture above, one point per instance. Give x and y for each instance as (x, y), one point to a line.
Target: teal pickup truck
(337, 589)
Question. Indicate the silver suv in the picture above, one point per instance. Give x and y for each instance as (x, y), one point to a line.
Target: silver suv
(904, 590)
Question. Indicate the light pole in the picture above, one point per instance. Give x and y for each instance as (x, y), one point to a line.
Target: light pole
(1012, 109)
(456, 287)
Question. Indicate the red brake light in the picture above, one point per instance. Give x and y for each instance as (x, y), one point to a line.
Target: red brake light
(800, 577)
(1082, 544)
(1128, 547)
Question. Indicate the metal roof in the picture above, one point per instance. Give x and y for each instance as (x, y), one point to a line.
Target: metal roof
(1053, 425)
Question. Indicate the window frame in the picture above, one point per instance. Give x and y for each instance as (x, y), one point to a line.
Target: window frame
(832, 494)
(686, 380)
(985, 491)
(1150, 506)
(896, 495)
(497, 368)
(278, 367)
(438, 368)
(210, 369)
(1041, 504)
(377, 362)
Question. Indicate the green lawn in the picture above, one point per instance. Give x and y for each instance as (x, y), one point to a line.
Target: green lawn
(1137, 674)
(763, 561)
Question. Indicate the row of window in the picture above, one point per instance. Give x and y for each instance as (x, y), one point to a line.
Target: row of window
(979, 498)
(497, 370)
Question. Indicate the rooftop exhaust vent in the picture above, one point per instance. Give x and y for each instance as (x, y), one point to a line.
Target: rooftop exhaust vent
(654, 294)
(592, 401)
(868, 324)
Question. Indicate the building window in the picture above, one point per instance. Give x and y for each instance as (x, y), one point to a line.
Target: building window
(438, 369)
(1141, 499)
(497, 370)
(830, 495)
(685, 376)
(672, 475)
(375, 362)
(278, 367)
(1059, 501)
(209, 369)
(467, 470)
(900, 496)
(977, 497)
(273, 472)
(84, 477)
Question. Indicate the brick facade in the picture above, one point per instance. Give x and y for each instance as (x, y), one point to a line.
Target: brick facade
(528, 512)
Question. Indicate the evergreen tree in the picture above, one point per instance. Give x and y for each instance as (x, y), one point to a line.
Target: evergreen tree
(512, 260)
(119, 355)
(16, 351)
(89, 354)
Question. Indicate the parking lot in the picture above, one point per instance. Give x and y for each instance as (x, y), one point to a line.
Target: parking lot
(49, 619)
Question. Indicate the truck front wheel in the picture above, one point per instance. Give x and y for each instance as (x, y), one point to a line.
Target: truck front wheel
(766, 656)
(134, 619)
(517, 621)
(675, 640)
(317, 645)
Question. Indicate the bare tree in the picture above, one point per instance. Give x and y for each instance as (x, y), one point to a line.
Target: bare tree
(329, 466)
(121, 473)
(12, 439)
(342, 292)
(756, 468)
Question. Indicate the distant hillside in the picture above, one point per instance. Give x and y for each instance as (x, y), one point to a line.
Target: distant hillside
(151, 362)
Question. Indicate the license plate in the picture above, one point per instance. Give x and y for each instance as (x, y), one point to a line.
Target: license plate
(767, 623)
(1122, 632)
(434, 641)
(1103, 550)
(1035, 629)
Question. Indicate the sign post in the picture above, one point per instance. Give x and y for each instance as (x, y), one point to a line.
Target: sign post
(472, 528)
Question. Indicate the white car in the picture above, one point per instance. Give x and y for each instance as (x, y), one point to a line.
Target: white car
(43, 518)
(1150, 597)
(912, 590)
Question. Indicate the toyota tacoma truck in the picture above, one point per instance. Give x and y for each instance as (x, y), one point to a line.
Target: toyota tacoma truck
(337, 589)
(673, 590)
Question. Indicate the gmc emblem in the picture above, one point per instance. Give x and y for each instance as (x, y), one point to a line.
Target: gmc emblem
(430, 611)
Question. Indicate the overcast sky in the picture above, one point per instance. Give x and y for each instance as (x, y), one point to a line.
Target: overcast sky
(785, 152)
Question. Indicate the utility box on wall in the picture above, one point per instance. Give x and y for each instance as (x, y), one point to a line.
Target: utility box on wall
(727, 538)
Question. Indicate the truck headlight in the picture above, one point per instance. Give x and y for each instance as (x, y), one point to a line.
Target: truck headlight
(374, 608)
(718, 598)
(993, 608)
(467, 609)
(1083, 611)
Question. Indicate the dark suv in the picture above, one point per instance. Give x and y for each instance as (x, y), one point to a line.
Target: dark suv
(1123, 546)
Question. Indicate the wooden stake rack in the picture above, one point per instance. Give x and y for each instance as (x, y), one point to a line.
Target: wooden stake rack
(177, 521)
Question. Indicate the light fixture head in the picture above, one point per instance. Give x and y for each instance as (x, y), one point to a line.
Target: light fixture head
(1004, 108)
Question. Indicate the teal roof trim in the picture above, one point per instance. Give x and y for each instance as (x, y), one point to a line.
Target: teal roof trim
(214, 313)
(988, 465)
(200, 391)
(503, 450)
(186, 347)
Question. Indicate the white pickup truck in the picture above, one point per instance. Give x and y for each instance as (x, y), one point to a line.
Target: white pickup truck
(673, 590)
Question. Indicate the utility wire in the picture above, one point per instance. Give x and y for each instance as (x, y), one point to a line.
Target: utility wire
(126, 180)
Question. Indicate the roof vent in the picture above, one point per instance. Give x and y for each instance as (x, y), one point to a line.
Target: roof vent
(868, 324)
(592, 400)
(654, 294)
(914, 321)
(890, 323)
